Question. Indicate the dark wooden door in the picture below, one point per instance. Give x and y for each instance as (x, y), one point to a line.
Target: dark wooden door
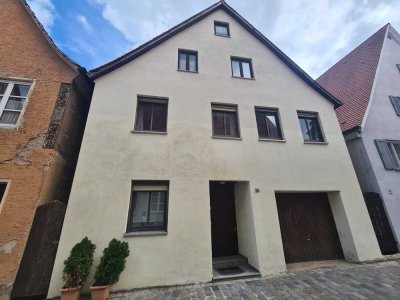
(33, 278)
(383, 231)
(307, 227)
(223, 219)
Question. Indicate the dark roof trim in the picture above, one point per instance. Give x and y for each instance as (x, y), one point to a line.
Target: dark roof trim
(102, 70)
(61, 54)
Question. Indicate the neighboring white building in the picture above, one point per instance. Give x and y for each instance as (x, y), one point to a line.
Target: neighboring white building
(211, 115)
(367, 81)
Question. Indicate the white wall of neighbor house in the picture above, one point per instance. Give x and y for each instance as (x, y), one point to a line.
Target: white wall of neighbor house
(382, 122)
(111, 156)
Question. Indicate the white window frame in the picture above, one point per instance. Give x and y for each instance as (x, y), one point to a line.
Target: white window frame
(6, 97)
(3, 199)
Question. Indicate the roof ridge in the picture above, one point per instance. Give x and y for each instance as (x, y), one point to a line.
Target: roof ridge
(355, 49)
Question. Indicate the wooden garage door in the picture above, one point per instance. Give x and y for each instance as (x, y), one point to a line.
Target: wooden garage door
(307, 227)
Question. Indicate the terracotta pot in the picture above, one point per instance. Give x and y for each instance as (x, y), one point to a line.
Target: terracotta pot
(71, 293)
(100, 292)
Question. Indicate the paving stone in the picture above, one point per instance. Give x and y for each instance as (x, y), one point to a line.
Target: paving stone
(346, 281)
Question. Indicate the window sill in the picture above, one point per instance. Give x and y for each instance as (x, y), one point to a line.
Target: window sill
(145, 233)
(187, 71)
(271, 140)
(316, 143)
(8, 127)
(220, 35)
(149, 132)
(226, 138)
(243, 78)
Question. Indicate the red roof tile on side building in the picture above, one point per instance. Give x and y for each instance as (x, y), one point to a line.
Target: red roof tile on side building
(351, 79)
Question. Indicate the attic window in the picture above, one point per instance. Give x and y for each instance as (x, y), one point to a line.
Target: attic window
(221, 29)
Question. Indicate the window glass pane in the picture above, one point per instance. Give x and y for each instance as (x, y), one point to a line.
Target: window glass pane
(3, 87)
(144, 116)
(273, 126)
(157, 206)
(182, 61)
(261, 125)
(159, 117)
(15, 103)
(20, 90)
(192, 63)
(230, 124)
(9, 117)
(315, 132)
(246, 70)
(304, 129)
(218, 123)
(397, 149)
(235, 68)
(221, 30)
(140, 209)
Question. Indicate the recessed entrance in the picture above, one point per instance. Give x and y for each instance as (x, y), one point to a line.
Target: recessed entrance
(223, 219)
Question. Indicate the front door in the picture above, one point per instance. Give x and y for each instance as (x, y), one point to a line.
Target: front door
(223, 219)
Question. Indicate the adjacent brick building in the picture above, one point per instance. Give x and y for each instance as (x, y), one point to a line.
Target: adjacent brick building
(44, 100)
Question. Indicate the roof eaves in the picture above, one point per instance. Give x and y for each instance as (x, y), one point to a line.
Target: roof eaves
(61, 54)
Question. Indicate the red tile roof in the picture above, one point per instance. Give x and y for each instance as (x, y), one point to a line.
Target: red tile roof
(351, 79)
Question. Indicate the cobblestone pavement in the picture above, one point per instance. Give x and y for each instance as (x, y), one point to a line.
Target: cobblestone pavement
(347, 281)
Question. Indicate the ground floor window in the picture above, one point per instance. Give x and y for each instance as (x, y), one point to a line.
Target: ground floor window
(148, 207)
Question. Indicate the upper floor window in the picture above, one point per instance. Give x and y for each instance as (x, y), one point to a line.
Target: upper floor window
(148, 207)
(310, 127)
(187, 60)
(225, 120)
(151, 114)
(389, 152)
(268, 124)
(396, 104)
(242, 67)
(221, 28)
(12, 98)
(3, 187)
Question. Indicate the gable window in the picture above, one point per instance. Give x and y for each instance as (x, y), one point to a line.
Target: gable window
(396, 104)
(151, 114)
(221, 29)
(310, 127)
(12, 98)
(149, 206)
(225, 120)
(187, 60)
(389, 152)
(241, 67)
(268, 124)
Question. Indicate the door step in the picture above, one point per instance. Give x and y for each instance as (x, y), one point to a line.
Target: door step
(232, 267)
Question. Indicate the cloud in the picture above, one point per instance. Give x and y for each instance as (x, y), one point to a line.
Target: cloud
(45, 12)
(314, 34)
(84, 23)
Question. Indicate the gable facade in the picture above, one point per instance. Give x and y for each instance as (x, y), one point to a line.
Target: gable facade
(121, 154)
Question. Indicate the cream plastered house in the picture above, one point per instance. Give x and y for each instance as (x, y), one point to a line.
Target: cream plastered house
(209, 146)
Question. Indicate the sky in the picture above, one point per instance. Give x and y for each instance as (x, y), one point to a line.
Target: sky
(313, 33)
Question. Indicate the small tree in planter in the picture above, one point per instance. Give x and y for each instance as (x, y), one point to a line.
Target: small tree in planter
(112, 263)
(77, 268)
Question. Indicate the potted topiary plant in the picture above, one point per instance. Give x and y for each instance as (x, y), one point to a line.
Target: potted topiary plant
(77, 268)
(112, 263)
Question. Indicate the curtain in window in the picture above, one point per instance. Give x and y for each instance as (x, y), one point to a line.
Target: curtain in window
(236, 68)
(221, 30)
(246, 69)
(192, 63)
(230, 124)
(182, 61)
(9, 117)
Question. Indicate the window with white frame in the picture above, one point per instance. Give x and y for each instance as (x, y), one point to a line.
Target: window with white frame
(389, 152)
(12, 99)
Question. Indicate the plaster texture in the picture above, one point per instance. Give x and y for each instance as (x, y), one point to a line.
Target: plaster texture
(112, 156)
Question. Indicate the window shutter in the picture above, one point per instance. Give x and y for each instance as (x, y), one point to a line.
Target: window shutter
(384, 152)
(396, 104)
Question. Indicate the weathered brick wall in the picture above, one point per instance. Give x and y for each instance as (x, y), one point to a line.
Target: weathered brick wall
(25, 53)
